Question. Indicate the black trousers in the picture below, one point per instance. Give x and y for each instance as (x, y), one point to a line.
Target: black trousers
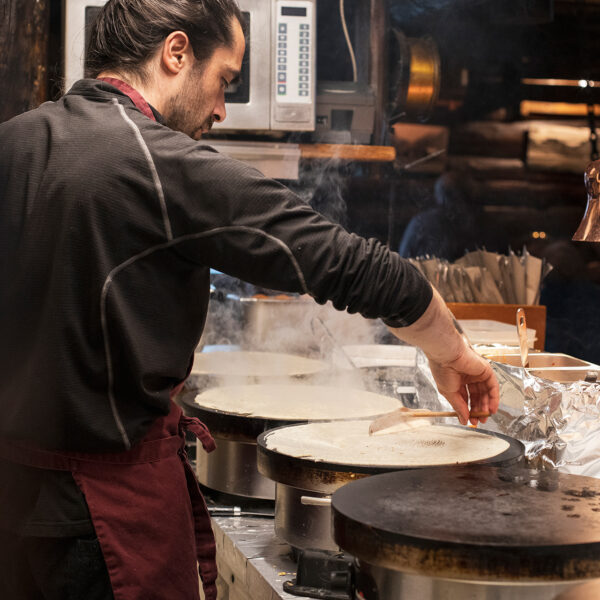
(37, 568)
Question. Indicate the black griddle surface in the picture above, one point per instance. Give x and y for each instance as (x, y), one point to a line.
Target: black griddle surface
(502, 523)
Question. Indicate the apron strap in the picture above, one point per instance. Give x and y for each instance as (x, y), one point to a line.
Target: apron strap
(206, 549)
(143, 452)
(200, 430)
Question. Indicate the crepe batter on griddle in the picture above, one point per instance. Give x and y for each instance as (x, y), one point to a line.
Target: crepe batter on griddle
(349, 443)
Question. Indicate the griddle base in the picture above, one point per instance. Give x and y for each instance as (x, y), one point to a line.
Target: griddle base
(376, 583)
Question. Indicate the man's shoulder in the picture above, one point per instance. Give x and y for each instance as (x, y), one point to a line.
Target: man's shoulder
(26, 118)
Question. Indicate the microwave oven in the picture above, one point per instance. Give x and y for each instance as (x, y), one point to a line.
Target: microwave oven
(276, 91)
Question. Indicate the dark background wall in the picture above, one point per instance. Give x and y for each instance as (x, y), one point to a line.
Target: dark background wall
(496, 44)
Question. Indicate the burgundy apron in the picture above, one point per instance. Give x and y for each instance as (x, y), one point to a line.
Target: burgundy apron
(147, 509)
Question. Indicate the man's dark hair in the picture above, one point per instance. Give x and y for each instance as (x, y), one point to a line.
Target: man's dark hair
(126, 33)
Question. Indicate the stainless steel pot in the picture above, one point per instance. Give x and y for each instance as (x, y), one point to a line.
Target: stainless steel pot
(231, 469)
(378, 583)
(281, 324)
(303, 518)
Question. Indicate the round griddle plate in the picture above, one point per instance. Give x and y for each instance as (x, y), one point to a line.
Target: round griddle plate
(497, 524)
(229, 425)
(238, 426)
(298, 471)
(255, 364)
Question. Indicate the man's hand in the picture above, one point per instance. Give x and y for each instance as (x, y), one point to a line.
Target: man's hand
(454, 364)
(472, 371)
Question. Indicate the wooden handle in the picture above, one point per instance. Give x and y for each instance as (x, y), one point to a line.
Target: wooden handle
(449, 413)
(522, 332)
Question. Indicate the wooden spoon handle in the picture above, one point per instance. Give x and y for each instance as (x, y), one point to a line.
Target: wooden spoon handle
(449, 413)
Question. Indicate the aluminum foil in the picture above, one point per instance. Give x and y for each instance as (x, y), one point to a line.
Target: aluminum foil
(558, 423)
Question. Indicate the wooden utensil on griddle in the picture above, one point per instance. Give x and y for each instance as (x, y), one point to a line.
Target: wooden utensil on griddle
(522, 331)
(402, 414)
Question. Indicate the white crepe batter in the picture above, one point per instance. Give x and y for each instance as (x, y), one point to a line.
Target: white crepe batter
(349, 443)
(255, 364)
(296, 402)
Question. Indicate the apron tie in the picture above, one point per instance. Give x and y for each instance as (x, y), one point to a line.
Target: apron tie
(205, 541)
(200, 430)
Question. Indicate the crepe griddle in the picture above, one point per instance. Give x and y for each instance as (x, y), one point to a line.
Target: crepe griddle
(473, 522)
(294, 470)
(230, 425)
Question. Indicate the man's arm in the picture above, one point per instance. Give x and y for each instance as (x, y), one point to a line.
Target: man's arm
(454, 364)
(232, 218)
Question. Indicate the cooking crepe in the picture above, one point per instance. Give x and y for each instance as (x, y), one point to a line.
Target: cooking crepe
(255, 364)
(349, 443)
(296, 402)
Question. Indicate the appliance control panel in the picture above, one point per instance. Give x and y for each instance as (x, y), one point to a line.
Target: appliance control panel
(293, 60)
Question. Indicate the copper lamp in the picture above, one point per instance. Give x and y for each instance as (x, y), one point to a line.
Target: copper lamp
(589, 228)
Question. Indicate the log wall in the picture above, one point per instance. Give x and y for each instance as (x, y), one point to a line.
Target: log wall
(24, 31)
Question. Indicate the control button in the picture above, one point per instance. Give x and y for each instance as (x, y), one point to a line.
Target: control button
(303, 48)
(302, 26)
(303, 86)
(304, 34)
(281, 77)
(282, 45)
(304, 63)
(304, 70)
(281, 90)
(282, 52)
(303, 57)
(303, 93)
(281, 59)
(293, 114)
(281, 67)
(282, 38)
(283, 27)
(303, 77)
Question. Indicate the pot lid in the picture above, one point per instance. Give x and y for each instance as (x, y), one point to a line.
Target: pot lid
(500, 524)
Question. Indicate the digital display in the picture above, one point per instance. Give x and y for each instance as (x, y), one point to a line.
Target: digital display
(293, 11)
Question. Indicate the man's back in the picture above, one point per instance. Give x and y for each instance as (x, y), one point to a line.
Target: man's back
(108, 233)
(78, 202)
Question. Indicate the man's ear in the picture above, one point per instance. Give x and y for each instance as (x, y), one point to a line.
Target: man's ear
(176, 52)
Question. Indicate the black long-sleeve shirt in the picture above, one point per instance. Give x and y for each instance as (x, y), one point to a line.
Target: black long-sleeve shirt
(109, 223)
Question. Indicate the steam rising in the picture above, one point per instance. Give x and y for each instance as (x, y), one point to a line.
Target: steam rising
(322, 185)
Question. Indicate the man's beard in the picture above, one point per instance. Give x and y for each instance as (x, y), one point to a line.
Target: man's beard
(184, 109)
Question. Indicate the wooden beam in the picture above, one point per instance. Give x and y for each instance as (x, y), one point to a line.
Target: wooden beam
(348, 152)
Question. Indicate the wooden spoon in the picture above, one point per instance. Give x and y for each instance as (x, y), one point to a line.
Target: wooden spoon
(522, 331)
(402, 414)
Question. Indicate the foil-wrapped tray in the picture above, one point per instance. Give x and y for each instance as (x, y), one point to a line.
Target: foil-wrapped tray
(551, 409)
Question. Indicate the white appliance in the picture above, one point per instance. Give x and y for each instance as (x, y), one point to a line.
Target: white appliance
(277, 85)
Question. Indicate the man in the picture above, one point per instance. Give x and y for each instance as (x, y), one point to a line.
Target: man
(110, 217)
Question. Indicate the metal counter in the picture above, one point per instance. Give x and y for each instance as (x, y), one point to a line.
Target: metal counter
(252, 562)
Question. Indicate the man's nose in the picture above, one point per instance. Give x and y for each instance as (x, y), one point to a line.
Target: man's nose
(219, 111)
